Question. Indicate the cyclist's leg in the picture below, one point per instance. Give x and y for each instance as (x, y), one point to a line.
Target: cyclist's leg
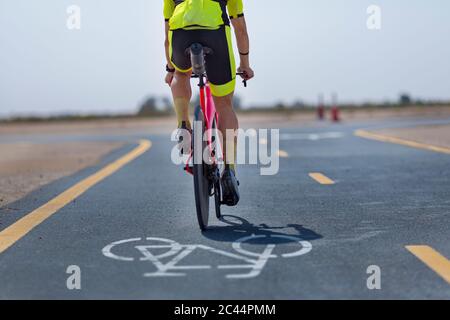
(228, 125)
(179, 40)
(221, 71)
(182, 93)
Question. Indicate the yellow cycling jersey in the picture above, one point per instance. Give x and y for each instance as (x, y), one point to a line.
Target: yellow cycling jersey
(201, 14)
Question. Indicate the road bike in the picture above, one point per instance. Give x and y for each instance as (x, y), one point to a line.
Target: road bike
(206, 156)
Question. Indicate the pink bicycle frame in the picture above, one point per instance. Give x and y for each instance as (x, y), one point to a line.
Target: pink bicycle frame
(209, 112)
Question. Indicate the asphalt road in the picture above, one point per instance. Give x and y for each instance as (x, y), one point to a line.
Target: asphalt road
(134, 235)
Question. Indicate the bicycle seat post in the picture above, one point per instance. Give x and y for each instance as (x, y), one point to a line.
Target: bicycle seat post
(198, 59)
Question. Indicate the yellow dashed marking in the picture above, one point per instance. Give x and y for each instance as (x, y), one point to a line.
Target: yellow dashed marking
(321, 178)
(409, 143)
(282, 154)
(433, 259)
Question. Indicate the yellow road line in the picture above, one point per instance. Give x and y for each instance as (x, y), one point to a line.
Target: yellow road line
(409, 143)
(283, 154)
(16, 231)
(433, 259)
(320, 178)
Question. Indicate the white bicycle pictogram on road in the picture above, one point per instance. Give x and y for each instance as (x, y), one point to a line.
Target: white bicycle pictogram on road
(166, 254)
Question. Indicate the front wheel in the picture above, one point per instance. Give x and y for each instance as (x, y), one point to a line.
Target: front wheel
(200, 172)
(217, 199)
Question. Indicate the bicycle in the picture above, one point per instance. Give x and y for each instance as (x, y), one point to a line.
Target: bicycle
(206, 173)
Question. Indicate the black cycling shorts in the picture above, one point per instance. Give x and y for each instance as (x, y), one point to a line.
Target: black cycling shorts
(220, 66)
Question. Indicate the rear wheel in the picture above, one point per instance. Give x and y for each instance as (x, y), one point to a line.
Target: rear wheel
(200, 172)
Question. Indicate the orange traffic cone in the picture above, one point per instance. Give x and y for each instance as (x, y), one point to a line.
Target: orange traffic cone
(320, 112)
(335, 114)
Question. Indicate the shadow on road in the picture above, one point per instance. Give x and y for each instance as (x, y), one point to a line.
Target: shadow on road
(238, 227)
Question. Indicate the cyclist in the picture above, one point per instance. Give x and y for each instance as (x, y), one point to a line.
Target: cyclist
(208, 22)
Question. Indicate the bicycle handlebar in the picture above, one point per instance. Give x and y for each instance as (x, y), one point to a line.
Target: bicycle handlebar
(243, 81)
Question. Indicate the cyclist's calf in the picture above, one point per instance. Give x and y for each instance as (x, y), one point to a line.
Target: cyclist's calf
(227, 121)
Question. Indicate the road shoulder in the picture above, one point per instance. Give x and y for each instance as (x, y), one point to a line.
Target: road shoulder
(25, 167)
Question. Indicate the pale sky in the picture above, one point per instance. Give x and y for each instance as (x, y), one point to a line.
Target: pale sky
(299, 48)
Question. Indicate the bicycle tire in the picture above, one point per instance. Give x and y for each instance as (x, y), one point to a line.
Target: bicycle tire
(217, 199)
(200, 172)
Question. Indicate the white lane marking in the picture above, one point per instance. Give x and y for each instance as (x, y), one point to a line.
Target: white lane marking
(306, 246)
(165, 268)
(177, 252)
(311, 136)
(237, 246)
(108, 253)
